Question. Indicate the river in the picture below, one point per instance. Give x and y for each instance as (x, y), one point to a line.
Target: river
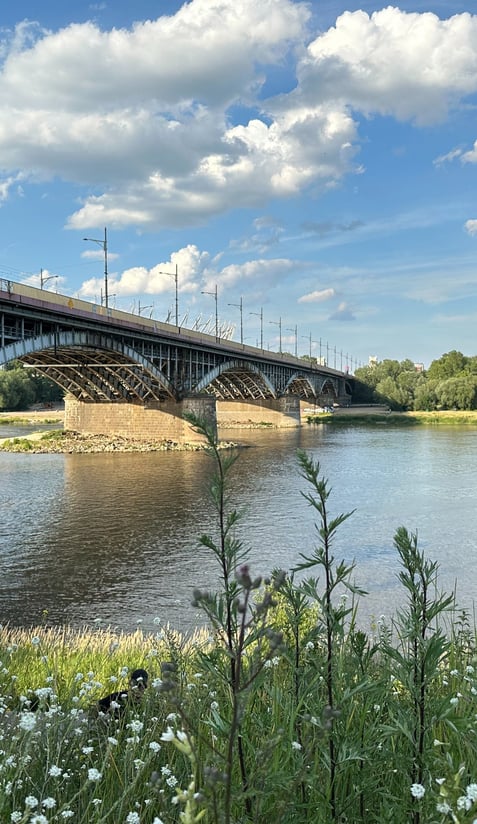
(112, 539)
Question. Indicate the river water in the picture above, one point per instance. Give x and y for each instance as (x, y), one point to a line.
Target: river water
(112, 539)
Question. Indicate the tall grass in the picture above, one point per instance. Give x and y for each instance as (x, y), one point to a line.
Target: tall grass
(283, 711)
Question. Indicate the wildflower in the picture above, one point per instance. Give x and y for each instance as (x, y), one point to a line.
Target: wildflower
(39, 819)
(417, 790)
(469, 669)
(158, 820)
(67, 814)
(35, 641)
(135, 726)
(172, 781)
(87, 750)
(454, 701)
(28, 721)
(443, 807)
(48, 803)
(133, 818)
(31, 801)
(309, 645)
(154, 746)
(113, 741)
(471, 791)
(464, 802)
(168, 735)
(94, 775)
(16, 816)
(296, 745)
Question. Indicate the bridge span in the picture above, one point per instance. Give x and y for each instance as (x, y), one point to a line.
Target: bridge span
(132, 376)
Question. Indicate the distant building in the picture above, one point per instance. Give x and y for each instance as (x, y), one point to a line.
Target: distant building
(373, 360)
(419, 367)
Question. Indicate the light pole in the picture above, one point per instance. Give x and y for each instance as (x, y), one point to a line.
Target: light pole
(279, 324)
(214, 295)
(174, 275)
(239, 306)
(308, 338)
(295, 330)
(259, 315)
(44, 279)
(143, 308)
(104, 246)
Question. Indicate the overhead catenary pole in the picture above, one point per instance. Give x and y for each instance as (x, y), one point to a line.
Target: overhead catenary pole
(104, 246)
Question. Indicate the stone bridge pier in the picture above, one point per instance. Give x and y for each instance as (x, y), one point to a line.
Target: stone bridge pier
(154, 421)
(164, 420)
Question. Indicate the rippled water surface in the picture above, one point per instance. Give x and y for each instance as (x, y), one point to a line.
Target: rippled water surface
(114, 536)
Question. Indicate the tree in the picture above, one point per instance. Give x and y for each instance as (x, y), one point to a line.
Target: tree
(16, 389)
(450, 365)
(458, 393)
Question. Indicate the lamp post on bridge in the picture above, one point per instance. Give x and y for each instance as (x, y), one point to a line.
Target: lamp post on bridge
(143, 308)
(214, 295)
(295, 332)
(259, 315)
(239, 306)
(174, 275)
(279, 324)
(104, 246)
(44, 279)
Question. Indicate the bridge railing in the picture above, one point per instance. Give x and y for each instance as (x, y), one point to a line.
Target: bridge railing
(44, 298)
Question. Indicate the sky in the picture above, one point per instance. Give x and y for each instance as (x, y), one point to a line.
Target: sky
(307, 168)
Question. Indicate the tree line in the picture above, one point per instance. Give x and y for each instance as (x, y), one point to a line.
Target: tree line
(450, 382)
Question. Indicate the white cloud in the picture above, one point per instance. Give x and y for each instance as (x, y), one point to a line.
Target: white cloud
(471, 156)
(471, 227)
(318, 296)
(145, 115)
(410, 66)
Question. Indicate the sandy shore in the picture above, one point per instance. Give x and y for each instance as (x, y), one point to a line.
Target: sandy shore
(37, 414)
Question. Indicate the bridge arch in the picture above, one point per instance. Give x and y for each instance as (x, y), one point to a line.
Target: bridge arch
(235, 379)
(92, 367)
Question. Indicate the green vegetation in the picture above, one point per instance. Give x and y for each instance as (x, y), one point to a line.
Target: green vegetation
(441, 418)
(20, 388)
(449, 383)
(284, 710)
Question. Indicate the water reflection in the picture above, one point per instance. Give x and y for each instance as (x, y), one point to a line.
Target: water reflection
(115, 536)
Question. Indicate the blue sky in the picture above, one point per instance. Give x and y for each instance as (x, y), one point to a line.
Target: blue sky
(315, 161)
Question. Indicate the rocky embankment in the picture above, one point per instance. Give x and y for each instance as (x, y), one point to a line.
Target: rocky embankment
(74, 442)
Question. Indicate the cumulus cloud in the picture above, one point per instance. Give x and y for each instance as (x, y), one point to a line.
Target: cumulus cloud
(145, 115)
(317, 296)
(407, 65)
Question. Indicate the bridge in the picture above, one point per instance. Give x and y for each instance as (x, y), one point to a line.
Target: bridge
(136, 377)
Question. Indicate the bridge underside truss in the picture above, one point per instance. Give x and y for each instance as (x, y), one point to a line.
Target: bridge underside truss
(93, 374)
(101, 368)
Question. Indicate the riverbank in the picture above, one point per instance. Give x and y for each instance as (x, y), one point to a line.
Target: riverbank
(368, 417)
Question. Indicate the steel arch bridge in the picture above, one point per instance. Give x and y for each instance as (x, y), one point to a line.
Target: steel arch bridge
(103, 355)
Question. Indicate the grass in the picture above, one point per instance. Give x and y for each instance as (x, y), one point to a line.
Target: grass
(447, 418)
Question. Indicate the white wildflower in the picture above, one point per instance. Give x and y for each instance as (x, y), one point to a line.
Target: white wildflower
(93, 774)
(417, 790)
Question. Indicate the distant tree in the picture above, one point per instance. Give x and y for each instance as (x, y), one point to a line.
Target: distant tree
(20, 387)
(450, 365)
(458, 393)
(17, 390)
(390, 392)
(425, 397)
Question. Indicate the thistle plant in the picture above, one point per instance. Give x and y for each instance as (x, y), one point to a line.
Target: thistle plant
(238, 613)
